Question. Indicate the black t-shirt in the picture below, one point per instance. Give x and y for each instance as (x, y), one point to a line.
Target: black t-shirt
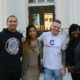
(10, 51)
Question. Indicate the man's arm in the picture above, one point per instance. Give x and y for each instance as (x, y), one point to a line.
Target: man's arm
(63, 50)
(64, 58)
(41, 37)
(63, 72)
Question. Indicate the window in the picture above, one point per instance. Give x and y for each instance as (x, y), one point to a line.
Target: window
(50, 0)
(51, 19)
(32, 1)
(35, 1)
(36, 20)
(41, 0)
(46, 19)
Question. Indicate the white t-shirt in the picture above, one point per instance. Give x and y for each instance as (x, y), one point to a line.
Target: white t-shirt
(52, 56)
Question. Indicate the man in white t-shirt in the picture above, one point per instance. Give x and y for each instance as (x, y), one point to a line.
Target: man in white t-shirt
(54, 44)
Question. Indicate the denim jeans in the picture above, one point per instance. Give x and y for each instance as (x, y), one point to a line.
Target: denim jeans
(49, 74)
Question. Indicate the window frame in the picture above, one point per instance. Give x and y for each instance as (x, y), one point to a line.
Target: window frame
(45, 1)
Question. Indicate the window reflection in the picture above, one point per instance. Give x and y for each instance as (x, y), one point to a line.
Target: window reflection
(48, 20)
(50, 0)
(32, 1)
(36, 20)
(41, 0)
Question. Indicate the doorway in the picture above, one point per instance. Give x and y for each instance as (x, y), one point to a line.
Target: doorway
(42, 17)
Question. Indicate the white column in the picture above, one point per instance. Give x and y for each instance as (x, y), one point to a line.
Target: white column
(5, 7)
(74, 11)
(26, 14)
(19, 8)
(62, 12)
(78, 11)
(22, 14)
(11, 7)
(3, 13)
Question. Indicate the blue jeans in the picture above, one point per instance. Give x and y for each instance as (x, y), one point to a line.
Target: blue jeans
(48, 74)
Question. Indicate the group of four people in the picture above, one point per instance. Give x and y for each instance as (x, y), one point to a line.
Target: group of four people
(52, 52)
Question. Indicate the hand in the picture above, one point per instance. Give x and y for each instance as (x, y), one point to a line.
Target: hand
(23, 39)
(71, 69)
(63, 72)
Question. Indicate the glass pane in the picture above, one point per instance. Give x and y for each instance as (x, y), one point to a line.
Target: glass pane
(32, 1)
(41, 0)
(48, 20)
(50, 0)
(36, 20)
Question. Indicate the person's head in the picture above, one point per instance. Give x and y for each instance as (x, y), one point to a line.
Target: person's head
(74, 31)
(31, 32)
(55, 27)
(12, 23)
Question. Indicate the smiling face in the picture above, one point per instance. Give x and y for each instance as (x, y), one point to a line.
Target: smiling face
(12, 23)
(32, 33)
(55, 28)
(75, 34)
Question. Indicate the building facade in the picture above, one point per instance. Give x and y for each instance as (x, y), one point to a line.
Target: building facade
(41, 13)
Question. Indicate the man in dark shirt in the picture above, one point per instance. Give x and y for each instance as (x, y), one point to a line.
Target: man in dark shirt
(10, 46)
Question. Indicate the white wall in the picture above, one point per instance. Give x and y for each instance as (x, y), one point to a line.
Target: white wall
(62, 12)
(67, 11)
(73, 11)
(78, 11)
(1, 18)
(3, 13)
(19, 8)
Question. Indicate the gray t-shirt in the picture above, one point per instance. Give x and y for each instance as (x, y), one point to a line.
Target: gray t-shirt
(53, 45)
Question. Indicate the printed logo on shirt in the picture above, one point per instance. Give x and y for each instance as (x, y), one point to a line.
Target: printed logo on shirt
(12, 46)
(51, 42)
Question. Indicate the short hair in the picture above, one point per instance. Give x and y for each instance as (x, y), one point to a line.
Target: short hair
(12, 16)
(58, 21)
